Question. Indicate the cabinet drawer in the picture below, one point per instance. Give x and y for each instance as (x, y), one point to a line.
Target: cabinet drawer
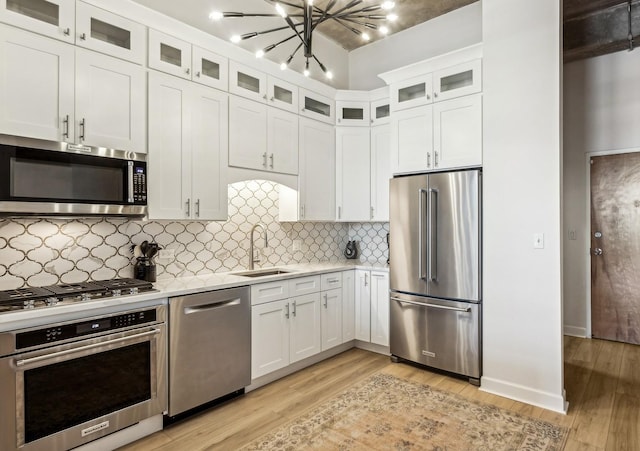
(304, 285)
(270, 291)
(331, 280)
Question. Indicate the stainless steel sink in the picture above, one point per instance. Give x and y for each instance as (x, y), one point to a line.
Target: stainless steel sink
(262, 272)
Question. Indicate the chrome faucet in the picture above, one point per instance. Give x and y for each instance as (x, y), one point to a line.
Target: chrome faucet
(252, 258)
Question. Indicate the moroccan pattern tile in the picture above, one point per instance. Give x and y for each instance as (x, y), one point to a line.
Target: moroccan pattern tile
(371, 241)
(37, 252)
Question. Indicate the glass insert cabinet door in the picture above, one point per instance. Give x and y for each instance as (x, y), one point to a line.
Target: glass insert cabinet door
(53, 18)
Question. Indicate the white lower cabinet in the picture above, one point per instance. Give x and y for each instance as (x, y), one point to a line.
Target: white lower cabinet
(305, 332)
(269, 337)
(188, 148)
(372, 307)
(348, 305)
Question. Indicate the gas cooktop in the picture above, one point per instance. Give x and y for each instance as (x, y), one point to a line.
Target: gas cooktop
(53, 295)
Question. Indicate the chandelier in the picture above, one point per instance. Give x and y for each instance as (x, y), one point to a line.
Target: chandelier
(303, 17)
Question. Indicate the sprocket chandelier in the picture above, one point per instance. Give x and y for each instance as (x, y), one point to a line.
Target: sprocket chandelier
(303, 17)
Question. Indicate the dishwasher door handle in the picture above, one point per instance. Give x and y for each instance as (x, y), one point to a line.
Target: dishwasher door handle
(212, 306)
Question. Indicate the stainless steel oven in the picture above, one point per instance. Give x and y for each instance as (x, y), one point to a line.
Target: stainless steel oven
(63, 385)
(50, 178)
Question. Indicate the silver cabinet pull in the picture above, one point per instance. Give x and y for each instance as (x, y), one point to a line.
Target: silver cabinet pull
(435, 95)
(188, 203)
(339, 212)
(372, 213)
(435, 159)
(83, 36)
(65, 123)
(272, 99)
(436, 306)
(366, 279)
(197, 208)
(188, 71)
(302, 211)
(286, 312)
(421, 257)
(264, 159)
(198, 74)
(264, 97)
(428, 159)
(83, 127)
(433, 235)
(325, 300)
(293, 308)
(332, 280)
(428, 97)
(66, 31)
(271, 158)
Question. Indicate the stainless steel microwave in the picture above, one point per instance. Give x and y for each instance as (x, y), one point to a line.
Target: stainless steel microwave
(45, 178)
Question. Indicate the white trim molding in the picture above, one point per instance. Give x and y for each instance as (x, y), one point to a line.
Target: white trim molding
(524, 394)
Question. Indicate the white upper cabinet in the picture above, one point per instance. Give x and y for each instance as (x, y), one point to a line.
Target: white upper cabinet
(411, 93)
(188, 143)
(108, 33)
(209, 68)
(282, 94)
(262, 137)
(36, 86)
(353, 174)
(177, 57)
(460, 80)
(316, 106)
(247, 82)
(412, 140)
(457, 132)
(380, 172)
(53, 18)
(380, 112)
(169, 54)
(110, 102)
(353, 113)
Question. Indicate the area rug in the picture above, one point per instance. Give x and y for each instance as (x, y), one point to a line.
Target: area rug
(384, 412)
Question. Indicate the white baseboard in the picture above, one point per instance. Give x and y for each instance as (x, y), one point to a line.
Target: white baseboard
(538, 398)
(574, 331)
(373, 347)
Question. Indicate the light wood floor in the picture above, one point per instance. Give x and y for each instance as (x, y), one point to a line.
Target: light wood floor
(602, 380)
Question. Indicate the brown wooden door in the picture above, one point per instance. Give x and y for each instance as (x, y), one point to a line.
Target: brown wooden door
(615, 247)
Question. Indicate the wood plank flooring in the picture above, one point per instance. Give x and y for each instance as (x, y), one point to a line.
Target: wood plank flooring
(602, 380)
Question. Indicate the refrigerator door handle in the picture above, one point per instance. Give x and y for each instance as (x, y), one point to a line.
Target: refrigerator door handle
(442, 307)
(422, 195)
(433, 235)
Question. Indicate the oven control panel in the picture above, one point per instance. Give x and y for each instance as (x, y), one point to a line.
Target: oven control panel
(83, 328)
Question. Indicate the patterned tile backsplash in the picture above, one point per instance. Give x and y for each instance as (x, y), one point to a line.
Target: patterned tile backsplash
(37, 252)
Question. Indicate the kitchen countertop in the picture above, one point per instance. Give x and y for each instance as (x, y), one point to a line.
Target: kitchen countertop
(166, 288)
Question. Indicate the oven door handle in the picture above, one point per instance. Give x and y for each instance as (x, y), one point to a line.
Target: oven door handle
(54, 355)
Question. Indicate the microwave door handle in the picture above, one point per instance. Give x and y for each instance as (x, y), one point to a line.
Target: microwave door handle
(433, 235)
(130, 181)
(421, 232)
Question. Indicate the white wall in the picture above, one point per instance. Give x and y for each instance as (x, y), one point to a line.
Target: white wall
(452, 31)
(601, 111)
(522, 296)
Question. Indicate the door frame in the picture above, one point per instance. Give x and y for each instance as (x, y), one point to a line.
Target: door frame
(589, 155)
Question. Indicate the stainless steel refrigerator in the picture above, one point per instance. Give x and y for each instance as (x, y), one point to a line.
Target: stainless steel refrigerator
(435, 271)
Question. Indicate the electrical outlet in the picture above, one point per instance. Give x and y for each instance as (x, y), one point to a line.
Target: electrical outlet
(167, 254)
(297, 245)
(572, 235)
(538, 240)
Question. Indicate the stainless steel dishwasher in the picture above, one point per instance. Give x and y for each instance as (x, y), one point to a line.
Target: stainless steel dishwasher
(209, 347)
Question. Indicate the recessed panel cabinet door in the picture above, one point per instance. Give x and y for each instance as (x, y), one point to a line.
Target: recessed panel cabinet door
(36, 86)
(282, 141)
(363, 305)
(380, 308)
(457, 130)
(247, 134)
(353, 174)
(331, 318)
(305, 326)
(169, 147)
(380, 172)
(269, 337)
(348, 306)
(110, 102)
(209, 153)
(412, 139)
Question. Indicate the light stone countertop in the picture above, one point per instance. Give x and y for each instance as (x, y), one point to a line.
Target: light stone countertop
(167, 288)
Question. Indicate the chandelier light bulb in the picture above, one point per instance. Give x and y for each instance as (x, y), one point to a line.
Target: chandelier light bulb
(306, 69)
(392, 17)
(310, 2)
(281, 10)
(329, 75)
(388, 5)
(366, 37)
(283, 66)
(235, 38)
(384, 29)
(216, 15)
(260, 53)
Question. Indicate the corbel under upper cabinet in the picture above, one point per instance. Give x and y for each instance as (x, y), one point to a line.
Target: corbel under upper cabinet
(182, 59)
(53, 18)
(105, 32)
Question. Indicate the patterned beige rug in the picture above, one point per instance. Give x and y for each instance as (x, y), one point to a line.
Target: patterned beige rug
(385, 412)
